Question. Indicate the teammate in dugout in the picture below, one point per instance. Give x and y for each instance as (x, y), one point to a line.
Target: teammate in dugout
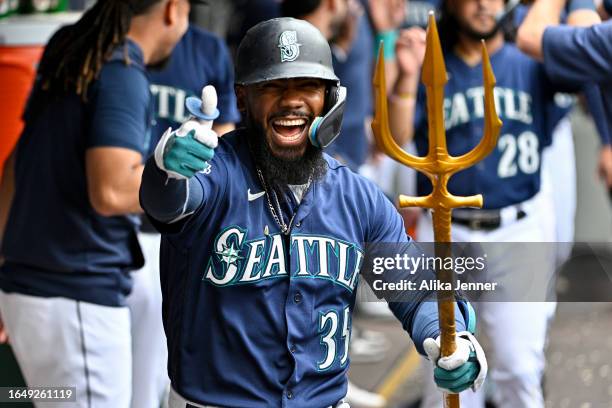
(262, 241)
(70, 243)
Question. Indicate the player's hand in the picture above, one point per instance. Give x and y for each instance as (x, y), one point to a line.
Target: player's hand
(181, 157)
(604, 167)
(348, 29)
(465, 368)
(410, 51)
(387, 15)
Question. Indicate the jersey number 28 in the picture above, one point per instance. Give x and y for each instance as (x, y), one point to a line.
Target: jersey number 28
(518, 153)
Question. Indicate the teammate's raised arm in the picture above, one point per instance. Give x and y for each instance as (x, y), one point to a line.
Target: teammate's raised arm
(410, 51)
(542, 14)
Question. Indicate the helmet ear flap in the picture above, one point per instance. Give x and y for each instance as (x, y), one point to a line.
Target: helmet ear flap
(331, 97)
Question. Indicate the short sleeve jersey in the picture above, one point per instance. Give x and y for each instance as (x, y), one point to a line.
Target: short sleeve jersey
(55, 243)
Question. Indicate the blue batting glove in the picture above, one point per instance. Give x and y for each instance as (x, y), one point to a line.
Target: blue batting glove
(465, 368)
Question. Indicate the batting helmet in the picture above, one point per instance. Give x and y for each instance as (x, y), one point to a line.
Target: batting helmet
(283, 48)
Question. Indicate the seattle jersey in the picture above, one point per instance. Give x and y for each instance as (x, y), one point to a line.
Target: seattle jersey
(257, 318)
(524, 99)
(55, 243)
(200, 58)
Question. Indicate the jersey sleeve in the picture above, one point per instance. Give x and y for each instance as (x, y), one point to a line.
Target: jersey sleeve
(174, 205)
(579, 54)
(120, 111)
(416, 310)
(224, 84)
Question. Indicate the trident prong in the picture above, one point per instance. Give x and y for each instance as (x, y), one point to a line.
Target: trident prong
(438, 165)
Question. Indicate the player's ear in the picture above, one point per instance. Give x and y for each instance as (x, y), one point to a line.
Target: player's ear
(240, 97)
(171, 12)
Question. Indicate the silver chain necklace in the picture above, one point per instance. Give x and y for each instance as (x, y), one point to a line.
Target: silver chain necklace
(276, 212)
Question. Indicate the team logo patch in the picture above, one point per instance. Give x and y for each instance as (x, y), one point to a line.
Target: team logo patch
(289, 47)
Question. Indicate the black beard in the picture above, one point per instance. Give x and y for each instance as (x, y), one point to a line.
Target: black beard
(277, 171)
(476, 35)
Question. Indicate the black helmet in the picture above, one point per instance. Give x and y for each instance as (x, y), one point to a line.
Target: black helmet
(283, 48)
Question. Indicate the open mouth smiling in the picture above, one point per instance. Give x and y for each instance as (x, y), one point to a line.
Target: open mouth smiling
(289, 131)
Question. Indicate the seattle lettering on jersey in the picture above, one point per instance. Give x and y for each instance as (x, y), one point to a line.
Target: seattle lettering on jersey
(170, 102)
(462, 107)
(236, 261)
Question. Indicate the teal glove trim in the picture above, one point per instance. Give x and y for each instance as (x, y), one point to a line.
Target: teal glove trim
(388, 38)
(459, 379)
(186, 156)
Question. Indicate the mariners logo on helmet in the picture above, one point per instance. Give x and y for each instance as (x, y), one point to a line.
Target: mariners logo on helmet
(289, 47)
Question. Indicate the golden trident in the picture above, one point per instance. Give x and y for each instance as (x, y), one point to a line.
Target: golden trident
(438, 166)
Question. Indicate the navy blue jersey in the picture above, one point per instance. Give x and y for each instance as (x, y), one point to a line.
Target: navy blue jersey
(524, 97)
(590, 90)
(256, 318)
(581, 55)
(355, 73)
(200, 58)
(55, 244)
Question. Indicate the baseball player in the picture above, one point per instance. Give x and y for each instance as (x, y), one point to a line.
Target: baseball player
(199, 57)
(70, 240)
(514, 208)
(263, 239)
(574, 54)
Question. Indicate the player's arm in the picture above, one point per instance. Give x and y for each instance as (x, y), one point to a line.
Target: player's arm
(113, 179)
(543, 13)
(417, 309)
(574, 54)
(386, 17)
(410, 51)
(116, 139)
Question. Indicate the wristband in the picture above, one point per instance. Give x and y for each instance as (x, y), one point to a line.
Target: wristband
(388, 38)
